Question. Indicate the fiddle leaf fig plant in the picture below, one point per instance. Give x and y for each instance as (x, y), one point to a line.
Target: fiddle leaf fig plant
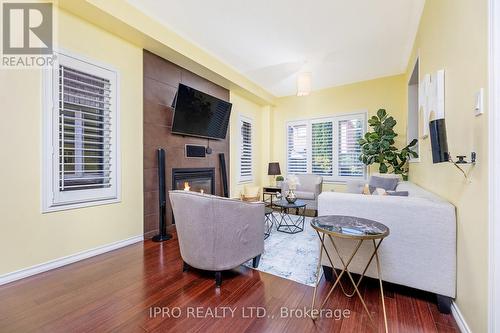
(377, 146)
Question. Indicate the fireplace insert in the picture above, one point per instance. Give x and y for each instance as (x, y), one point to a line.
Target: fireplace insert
(194, 179)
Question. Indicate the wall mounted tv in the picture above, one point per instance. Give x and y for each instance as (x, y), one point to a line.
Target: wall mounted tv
(199, 114)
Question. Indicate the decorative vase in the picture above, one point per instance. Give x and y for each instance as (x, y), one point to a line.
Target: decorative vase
(290, 196)
(279, 183)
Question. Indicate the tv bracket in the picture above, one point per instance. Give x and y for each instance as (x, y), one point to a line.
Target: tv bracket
(461, 161)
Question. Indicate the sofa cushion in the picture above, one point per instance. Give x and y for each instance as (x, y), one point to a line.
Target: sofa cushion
(355, 187)
(416, 191)
(388, 184)
(304, 195)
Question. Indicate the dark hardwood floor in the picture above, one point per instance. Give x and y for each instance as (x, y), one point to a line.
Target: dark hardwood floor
(121, 290)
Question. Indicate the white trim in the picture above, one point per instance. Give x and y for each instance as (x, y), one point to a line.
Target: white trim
(246, 179)
(49, 198)
(416, 60)
(336, 115)
(494, 162)
(63, 261)
(459, 318)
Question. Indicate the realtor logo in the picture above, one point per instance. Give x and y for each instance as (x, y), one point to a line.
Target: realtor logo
(27, 29)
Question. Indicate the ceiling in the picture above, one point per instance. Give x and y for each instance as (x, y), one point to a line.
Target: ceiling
(271, 41)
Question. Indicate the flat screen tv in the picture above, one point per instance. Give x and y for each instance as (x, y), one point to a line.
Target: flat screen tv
(199, 114)
(439, 142)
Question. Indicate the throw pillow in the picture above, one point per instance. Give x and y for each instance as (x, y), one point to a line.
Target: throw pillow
(379, 191)
(388, 184)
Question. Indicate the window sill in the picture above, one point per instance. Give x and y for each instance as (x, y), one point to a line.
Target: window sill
(343, 181)
(57, 208)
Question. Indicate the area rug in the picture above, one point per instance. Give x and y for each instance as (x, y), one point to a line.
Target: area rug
(291, 256)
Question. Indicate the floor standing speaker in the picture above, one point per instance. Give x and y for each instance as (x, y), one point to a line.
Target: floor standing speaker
(222, 162)
(162, 195)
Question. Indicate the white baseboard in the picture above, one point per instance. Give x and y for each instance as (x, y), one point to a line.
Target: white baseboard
(460, 320)
(56, 263)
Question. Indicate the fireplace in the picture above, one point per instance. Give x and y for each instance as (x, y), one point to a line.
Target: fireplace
(196, 180)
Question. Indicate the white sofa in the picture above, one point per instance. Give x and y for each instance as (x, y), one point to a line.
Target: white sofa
(420, 251)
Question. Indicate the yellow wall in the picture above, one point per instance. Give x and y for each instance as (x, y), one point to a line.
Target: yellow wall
(260, 141)
(453, 36)
(29, 237)
(388, 93)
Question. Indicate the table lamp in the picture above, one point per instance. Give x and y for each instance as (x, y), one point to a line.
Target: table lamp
(274, 170)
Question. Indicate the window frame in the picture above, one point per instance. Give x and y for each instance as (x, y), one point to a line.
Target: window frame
(416, 66)
(363, 115)
(245, 179)
(52, 198)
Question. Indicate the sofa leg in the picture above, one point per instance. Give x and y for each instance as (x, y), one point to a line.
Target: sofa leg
(444, 304)
(256, 261)
(185, 266)
(316, 213)
(218, 279)
(328, 273)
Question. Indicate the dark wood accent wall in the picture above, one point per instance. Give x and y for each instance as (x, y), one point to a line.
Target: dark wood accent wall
(161, 79)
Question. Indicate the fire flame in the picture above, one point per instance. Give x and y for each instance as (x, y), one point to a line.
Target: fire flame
(186, 186)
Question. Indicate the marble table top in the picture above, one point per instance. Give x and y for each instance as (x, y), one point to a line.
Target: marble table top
(350, 227)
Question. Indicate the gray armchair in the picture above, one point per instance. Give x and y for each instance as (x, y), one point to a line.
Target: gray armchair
(215, 233)
(308, 190)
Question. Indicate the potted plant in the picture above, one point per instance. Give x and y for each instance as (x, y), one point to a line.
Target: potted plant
(377, 146)
(279, 181)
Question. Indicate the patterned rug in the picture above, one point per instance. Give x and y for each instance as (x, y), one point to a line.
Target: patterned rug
(291, 256)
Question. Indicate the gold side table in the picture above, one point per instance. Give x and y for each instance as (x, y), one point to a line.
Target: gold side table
(359, 230)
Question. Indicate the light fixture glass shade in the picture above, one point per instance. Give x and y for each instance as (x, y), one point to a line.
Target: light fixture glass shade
(303, 84)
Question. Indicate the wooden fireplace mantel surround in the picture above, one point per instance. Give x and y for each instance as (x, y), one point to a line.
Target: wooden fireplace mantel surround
(160, 82)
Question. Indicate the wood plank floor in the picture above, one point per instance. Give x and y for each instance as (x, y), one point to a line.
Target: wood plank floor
(119, 292)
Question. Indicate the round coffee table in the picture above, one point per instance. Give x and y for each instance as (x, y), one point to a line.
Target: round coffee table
(291, 224)
(269, 221)
(359, 230)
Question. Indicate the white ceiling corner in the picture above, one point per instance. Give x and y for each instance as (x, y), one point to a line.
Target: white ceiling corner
(270, 42)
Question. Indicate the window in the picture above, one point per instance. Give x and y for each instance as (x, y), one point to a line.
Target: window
(246, 150)
(322, 148)
(349, 132)
(297, 148)
(327, 147)
(80, 135)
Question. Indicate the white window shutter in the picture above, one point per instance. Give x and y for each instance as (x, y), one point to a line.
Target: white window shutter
(84, 131)
(246, 150)
(322, 148)
(297, 150)
(349, 132)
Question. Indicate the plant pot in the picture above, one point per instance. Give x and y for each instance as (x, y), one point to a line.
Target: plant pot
(290, 196)
(279, 183)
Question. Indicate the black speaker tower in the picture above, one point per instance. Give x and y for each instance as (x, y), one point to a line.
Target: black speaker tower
(222, 162)
(162, 236)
